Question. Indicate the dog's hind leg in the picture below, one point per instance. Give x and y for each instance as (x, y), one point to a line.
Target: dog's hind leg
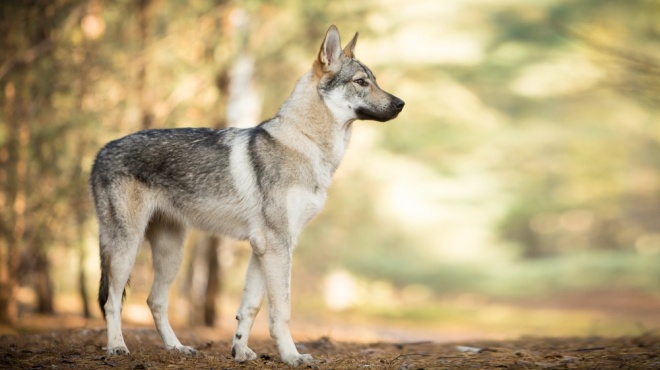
(166, 238)
(117, 259)
(250, 304)
(123, 210)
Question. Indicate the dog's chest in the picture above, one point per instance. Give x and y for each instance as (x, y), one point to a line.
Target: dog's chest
(302, 206)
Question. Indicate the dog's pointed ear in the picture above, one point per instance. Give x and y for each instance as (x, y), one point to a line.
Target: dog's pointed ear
(350, 47)
(330, 49)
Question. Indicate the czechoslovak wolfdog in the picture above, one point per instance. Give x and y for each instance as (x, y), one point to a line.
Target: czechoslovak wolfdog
(261, 184)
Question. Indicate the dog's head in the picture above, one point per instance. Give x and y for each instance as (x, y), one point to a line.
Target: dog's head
(348, 87)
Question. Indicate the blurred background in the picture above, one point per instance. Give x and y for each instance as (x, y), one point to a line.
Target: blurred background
(518, 193)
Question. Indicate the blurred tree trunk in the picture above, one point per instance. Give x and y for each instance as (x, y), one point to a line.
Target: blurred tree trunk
(43, 285)
(213, 284)
(240, 107)
(82, 288)
(18, 140)
(19, 112)
(32, 146)
(209, 245)
(143, 92)
(80, 193)
(18, 137)
(81, 210)
(212, 242)
(13, 199)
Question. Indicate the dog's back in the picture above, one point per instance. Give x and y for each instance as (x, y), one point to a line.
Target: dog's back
(163, 158)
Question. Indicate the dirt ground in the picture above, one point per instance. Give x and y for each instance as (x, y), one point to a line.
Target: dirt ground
(83, 349)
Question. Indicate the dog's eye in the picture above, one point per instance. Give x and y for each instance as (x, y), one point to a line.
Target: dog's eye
(361, 82)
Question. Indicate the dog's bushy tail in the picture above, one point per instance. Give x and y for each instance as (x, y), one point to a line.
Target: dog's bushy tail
(104, 286)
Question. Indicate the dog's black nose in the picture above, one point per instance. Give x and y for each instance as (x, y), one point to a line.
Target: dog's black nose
(398, 104)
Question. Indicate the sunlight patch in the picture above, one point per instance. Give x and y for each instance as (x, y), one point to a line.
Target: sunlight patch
(340, 290)
(556, 78)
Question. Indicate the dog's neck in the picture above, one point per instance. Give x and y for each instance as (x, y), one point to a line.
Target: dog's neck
(305, 116)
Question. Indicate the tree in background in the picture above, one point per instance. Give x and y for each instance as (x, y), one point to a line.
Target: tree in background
(32, 146)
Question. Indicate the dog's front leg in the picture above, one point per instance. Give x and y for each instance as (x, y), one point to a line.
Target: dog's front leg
(275, 264)
(250, 305)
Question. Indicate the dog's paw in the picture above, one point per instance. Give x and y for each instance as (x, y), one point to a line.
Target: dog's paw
(297, 360)
(118, 351)
(186, 350)
(242, 355)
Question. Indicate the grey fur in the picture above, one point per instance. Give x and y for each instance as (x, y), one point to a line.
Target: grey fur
(261, 184)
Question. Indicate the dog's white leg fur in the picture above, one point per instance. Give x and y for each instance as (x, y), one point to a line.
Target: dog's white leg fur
(275, 264)
(119, 269)
(122, 236)
(166, 247)
(251, 300)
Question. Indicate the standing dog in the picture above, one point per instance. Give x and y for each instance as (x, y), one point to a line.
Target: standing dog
(261, 184)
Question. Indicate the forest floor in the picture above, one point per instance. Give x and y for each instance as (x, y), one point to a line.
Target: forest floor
(69, 341)
(83, 349)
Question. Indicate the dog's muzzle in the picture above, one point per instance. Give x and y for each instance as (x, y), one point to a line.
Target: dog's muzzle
(386, 113)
